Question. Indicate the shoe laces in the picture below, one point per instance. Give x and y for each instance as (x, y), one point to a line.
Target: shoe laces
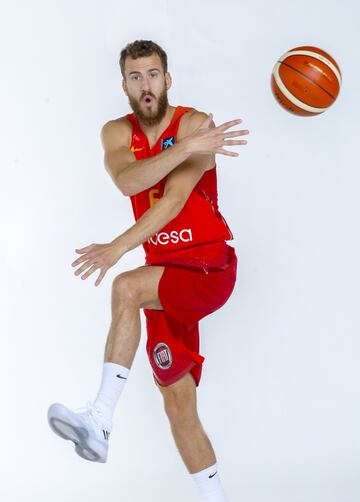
(95, 413)
(95, 416)
(98, 416)
(91, 411)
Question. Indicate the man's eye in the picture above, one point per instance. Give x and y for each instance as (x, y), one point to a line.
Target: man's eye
(153, 74)
(135, 77)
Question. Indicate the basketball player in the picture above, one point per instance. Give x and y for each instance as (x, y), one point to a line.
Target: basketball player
(163, 158)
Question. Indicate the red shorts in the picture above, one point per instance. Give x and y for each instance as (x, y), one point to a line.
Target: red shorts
(173, 333)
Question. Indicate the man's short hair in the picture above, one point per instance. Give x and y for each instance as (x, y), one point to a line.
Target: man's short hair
(140, 49)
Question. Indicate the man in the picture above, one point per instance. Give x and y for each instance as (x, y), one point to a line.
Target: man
(163, 158)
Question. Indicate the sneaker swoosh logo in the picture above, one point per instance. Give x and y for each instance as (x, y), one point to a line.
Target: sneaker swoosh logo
(212, 475)
(120, 376)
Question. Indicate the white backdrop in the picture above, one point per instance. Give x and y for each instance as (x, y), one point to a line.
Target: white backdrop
(279, 395)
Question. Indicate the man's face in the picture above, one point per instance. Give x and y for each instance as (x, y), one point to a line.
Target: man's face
(146, 87)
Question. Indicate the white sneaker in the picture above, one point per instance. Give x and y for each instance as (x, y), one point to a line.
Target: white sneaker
(84, 427)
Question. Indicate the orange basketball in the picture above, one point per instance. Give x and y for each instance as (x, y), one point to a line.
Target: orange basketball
(306, 80)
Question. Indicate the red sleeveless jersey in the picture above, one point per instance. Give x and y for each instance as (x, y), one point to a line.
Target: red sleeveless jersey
(196, 237)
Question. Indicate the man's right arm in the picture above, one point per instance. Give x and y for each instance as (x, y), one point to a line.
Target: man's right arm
(132, 176)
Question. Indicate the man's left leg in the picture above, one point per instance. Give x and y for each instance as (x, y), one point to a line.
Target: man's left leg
(191, 440)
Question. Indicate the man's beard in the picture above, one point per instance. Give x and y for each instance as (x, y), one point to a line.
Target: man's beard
(150, 118)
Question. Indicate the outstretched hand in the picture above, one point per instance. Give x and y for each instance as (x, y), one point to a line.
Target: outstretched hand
(98, 256)
(206, 140)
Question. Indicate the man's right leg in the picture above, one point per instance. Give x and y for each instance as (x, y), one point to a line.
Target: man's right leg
(131, 291)
(90, 428)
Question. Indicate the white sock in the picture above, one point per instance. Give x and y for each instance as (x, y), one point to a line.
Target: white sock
(208, 482)
(114, 378)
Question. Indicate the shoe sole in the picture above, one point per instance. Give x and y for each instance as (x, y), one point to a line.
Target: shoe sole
(64, 425)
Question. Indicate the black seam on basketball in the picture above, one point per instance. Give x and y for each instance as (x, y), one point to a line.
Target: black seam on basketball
(307, 78)
(293, 104)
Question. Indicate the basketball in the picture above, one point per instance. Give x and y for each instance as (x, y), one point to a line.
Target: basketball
(306, 81)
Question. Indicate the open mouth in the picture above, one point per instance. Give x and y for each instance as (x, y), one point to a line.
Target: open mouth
(148, 100)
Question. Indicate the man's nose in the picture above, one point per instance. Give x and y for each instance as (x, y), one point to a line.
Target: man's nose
(145, 84)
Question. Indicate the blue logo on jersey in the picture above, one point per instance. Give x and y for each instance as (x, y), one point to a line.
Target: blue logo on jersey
(167, 142)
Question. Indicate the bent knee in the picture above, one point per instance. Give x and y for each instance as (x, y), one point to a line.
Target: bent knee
(124, 288)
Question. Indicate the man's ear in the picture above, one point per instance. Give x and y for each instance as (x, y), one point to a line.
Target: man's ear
(168, 80)
(124, 86)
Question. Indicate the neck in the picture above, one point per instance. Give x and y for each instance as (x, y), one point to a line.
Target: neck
(155, 130)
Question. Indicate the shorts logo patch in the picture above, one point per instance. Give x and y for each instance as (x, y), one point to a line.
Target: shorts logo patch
(162, 356)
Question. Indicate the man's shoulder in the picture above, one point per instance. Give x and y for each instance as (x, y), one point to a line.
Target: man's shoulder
(121, 123)
(117, 128)
(195, 117)
(190, 121)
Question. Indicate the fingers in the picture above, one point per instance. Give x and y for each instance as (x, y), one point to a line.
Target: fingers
(93, 259)
(84, 267)
(235, 142)
(83, 250)
(101, 276)
(227, 125)
(232, 134)
(227, 152)
(86, 257)
(89, 272)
